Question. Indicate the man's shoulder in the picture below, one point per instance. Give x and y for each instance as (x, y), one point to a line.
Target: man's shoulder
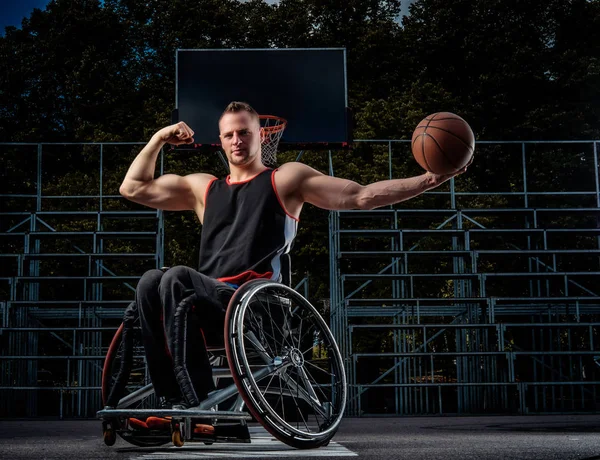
(292, 177)
(198, 182)
(291, 174)
(295, 169)
(199, 178)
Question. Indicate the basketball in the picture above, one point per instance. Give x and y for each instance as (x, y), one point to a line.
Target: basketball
(443, 143)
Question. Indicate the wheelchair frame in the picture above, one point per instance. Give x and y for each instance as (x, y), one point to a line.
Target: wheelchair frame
(258, 314)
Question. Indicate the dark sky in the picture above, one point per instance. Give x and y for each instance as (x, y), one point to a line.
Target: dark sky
(13, 11)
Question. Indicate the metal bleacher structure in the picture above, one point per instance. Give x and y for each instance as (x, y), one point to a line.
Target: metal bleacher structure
(468, 300)
(479, 298)
(70, 264)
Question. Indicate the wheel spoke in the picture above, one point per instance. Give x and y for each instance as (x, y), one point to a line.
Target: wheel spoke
(267, 310)
(317, 384)
(311, 391)
(300, 392)
(300, 334)
(269, 384)
(306, 333)
(259, 347)
(273, 324)
(319, 368)
(308, 349)
(260, 329)
(297, 406)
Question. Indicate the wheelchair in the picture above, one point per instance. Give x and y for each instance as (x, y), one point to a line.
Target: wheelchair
(284, 370)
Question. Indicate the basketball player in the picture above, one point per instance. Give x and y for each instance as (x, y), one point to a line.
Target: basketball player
(249, 221)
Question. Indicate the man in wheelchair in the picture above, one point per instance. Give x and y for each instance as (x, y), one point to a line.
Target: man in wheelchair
(249, 221)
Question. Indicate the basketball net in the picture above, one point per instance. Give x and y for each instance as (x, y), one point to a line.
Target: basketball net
(271, 130)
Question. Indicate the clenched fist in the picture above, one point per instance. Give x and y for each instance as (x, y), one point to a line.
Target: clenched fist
(177, 134)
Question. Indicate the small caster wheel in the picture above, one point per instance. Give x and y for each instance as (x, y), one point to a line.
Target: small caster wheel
(176, 438)
(110, 437)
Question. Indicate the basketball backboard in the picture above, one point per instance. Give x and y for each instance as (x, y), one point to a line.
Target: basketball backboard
(305, 86)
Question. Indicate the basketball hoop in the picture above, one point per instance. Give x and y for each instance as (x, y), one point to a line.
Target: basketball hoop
(271, 130)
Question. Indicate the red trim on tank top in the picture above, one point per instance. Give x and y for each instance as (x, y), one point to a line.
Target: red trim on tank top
(245, 276)
(278, 198)
(207, 189)
(228, 182)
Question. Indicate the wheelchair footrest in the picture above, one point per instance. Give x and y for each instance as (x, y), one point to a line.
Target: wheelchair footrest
(175, 413)
(223, 433)
(226, 433)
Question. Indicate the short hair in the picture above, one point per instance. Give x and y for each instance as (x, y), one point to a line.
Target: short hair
(236, 107)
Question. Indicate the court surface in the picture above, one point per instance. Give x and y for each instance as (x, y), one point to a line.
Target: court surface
(560, 437)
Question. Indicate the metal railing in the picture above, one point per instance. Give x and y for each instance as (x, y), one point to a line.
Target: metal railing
(453, 305)
(429, 299)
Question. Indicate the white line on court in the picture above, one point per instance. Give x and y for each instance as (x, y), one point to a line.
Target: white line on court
(262, 445)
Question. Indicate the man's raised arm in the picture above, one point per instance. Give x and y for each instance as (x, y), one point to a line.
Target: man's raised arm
(169, 192)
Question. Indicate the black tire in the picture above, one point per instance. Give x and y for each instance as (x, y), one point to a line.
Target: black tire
(285, 363)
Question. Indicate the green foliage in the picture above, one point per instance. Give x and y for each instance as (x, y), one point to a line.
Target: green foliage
(512, 66)
(86, 70)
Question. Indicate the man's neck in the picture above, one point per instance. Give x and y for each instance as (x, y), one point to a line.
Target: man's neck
(245, 172)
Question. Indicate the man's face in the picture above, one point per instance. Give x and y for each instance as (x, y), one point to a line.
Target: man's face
(240, 137)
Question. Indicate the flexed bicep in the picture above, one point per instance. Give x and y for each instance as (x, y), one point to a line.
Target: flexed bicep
(168, 192)
(171, 192)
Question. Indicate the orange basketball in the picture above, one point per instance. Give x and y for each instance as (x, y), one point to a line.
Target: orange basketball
(443, 143)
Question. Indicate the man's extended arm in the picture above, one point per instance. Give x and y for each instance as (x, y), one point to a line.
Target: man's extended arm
(304, 184)
(169, 192)
(392, 191)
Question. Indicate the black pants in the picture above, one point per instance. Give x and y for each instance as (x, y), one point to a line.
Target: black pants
(157, 295)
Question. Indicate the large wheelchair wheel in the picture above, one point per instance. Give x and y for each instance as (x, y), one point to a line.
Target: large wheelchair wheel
(285, 363)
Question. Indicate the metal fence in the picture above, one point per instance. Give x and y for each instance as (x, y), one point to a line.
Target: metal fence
(479, 297)
(72, 252)
(483, 298)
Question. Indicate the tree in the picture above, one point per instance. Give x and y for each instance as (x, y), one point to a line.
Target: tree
(504, 62)
(99, 71)
(68, 77)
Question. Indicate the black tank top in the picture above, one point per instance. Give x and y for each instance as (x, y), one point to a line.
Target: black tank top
(245, 231)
